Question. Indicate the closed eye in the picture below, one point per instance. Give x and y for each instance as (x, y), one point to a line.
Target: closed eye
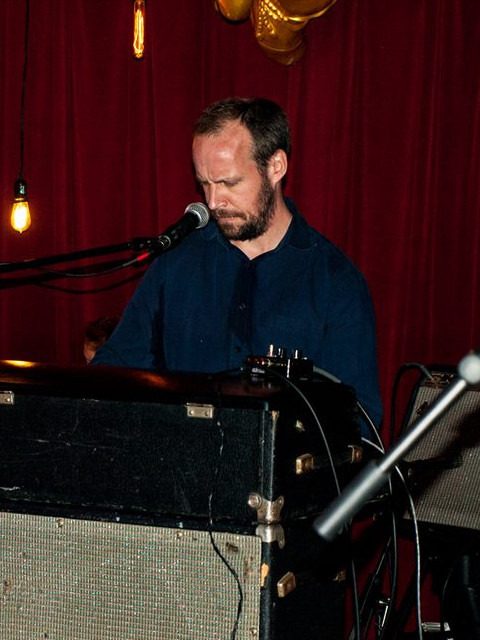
(225, 183)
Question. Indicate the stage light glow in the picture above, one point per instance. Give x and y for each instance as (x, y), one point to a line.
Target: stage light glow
(20, 218)
(139, 28)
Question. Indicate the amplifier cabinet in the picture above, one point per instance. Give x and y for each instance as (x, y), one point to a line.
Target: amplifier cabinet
(96, 579)
(136, 505)
(186, 446)
(444, 466)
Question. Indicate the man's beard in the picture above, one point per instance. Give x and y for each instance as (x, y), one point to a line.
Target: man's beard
(255, 226)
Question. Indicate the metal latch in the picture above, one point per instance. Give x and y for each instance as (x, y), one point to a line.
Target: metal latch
(286, 584)
(304, 464)
(204, 411)
(270, 533)
(268, 512)
(7, 397)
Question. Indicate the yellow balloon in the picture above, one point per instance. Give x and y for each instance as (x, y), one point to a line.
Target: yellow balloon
(279, 26)
(235, 10)
(301, 9)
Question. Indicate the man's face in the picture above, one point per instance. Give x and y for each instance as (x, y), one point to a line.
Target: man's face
(89, 351)
(240, 197)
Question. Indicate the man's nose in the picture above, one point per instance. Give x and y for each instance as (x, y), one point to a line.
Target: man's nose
(214, 196)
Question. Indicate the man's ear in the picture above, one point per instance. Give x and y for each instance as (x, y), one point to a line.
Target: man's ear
(277, 166)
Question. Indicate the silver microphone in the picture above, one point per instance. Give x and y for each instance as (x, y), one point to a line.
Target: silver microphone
(196, 216)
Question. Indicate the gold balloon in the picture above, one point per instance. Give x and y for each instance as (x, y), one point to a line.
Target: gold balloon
(306, 9)
(278, 24)
(235, 10)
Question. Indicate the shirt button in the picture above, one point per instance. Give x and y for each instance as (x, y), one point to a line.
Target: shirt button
(242, 306)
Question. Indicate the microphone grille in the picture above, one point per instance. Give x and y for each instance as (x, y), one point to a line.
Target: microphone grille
(201, 211)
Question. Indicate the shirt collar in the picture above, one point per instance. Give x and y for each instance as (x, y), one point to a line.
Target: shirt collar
(298, 233)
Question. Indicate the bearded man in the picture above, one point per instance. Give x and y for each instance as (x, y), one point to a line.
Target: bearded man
(257, 274)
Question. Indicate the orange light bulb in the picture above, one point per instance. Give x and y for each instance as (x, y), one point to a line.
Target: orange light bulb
(139, 28)
(20, 218)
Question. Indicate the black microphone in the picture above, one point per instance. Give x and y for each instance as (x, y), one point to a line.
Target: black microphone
(196, 216)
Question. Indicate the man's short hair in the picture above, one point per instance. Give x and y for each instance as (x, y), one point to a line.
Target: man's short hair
(98, 331)
(265, 119)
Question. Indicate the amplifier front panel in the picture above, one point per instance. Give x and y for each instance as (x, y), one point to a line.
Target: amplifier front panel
(93, 580)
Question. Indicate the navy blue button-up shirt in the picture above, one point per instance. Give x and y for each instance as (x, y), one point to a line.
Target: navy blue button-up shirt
(204, 307)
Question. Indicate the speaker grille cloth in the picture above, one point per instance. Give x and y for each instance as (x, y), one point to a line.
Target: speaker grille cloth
(67, 579)
(448, 461)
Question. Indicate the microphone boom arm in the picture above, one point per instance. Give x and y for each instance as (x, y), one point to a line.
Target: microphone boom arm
(342, 509)
(136, 244)
(196, 216)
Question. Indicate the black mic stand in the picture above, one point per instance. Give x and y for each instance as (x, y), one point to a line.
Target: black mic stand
(196, 216)
(376, 474)
(149, 246)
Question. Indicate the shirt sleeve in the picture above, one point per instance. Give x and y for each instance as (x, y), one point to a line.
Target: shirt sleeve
(133, 344)
(350, 341)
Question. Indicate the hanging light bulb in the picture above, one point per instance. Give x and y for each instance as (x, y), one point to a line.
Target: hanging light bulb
(138, 28)
(20, 218)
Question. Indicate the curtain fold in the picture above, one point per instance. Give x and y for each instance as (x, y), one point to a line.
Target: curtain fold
(384, 109)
